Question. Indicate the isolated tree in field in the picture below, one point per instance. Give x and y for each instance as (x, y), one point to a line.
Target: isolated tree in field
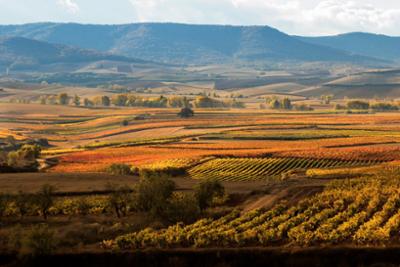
(186, 113)
(76, 100)
(63, 99)
(45, 199)
(207, 191)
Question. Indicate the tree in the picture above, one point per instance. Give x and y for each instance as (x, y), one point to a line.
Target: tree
(186, 113)
(182, 207)
(44, 199)
(105, 101)
(88, 103)
(119, 169)
(286, 103)
(119, 199)
(76, 100)
(120, 100)
(22, 202)
(152, 194)
(43, 100)
(206, 191)
(357, 104)
(63, 99)
(275, 104)
(25, 157)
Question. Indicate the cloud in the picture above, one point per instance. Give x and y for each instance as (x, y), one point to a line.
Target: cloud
(69, 5)
(309, 17)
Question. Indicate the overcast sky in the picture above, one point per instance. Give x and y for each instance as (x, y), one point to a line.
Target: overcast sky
(305, 17)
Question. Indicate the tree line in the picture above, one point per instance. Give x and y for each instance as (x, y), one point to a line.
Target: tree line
(133, 100)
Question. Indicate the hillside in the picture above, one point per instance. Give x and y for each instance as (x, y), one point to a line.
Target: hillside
(369, 84)
(372, 45)
(20, 53)
(186, 44)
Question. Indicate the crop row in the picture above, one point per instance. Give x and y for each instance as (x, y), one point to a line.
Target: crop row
(240, 169)
(359, 213)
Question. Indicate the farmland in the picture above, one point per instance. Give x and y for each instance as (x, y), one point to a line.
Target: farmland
(291, 179)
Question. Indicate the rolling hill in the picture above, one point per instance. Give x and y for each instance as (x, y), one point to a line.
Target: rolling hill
(367, 44)
(185, 44)
(370, 84)
(19, 53)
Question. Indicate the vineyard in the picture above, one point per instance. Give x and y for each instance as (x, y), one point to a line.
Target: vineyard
(242, 169)
(362, 211)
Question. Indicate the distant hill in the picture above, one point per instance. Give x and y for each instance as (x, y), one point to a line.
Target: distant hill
(370, 84)
(372, 45)
(186, 44)
(19, 53)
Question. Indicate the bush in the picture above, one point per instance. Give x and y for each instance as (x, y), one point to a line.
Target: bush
(207, 191)
(40, 240)
(119, 169)
(3, 204)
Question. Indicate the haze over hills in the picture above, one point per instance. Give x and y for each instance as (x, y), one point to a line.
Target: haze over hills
(187, 44)
(19, 53)
(373, 45)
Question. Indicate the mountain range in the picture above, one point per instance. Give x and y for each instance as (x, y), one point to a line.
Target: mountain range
(33, 45)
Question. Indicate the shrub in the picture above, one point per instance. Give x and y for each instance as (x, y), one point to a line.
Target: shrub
(40, 240)
(83, 206)
(206, 191)
(3, 204)
(119, 169)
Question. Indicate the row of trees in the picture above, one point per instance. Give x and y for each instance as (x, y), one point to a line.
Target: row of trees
(133, 100)
(154, 195)
(208, 102)
(364, 105)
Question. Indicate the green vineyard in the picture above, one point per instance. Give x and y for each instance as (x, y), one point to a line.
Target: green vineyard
(362, 212)
(243, 169)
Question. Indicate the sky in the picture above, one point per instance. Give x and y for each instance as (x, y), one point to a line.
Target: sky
(301, 17)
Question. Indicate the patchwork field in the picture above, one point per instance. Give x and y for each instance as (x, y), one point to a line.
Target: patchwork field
(291, 178)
